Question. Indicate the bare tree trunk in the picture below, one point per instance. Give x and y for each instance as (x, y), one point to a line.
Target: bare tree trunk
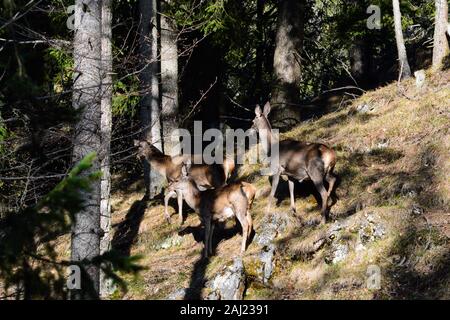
(288, 47)
(402, 57)
(259, 49)
(86, 98)
(440, 47)
(169, 80)
(150, 101)
(359, 62)
(106, 123)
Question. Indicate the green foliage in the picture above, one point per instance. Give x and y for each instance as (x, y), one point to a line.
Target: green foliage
(29, 262)
(125, 98)
(60, 67)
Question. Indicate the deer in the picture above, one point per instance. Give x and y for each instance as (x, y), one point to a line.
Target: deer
(215, 205)
(297, 161)
(205, 176)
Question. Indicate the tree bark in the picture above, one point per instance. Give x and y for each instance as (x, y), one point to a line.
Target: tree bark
(440, 47)
(169, 80)
(402, 56)
(87, 98)
(150, 100)
(287, 63)
(259, 50)
(106, 123)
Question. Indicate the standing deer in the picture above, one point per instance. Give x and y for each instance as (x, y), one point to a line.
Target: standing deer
(297, 161)
(218, 205)
(205, 176)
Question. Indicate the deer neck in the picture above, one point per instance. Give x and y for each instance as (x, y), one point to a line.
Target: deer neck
(160, 163)
(192, 195)
(266, 135)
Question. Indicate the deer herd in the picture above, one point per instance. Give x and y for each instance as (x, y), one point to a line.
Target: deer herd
(208, 191)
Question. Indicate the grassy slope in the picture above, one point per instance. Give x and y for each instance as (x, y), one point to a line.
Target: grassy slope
(390, 160)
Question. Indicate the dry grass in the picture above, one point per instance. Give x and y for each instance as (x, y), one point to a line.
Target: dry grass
(389, 160)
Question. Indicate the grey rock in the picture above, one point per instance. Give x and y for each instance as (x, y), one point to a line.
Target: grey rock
(416, 210)
(170, 242)
(369, 231)
(271, 226)
(340, 252)
(364, 108)
(383, 144)
(420, 76)
(267, 263)
(177, 295)
(228, 284)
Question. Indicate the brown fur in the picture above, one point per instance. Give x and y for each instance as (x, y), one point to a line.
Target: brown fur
(298, 161)
(218, 205)
(205, 176)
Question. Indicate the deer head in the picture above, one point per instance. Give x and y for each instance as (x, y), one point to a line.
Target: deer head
(261, 121)
(146, 150)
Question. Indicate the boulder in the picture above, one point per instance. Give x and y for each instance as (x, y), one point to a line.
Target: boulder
(177, 295)
(169, 242)
(229, 284)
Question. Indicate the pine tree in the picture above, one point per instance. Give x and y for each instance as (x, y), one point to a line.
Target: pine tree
(440, 47)
(287, 61)
(402, 56)
(150, 110)
(87, 91)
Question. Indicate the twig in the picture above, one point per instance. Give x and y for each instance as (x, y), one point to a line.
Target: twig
(200, 100)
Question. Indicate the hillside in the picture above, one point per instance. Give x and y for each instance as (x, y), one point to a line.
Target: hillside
(393, 212)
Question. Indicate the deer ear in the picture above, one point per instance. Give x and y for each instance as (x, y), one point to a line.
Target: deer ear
(258, 110)
(267, 108)
(136, 143)
(184, 171)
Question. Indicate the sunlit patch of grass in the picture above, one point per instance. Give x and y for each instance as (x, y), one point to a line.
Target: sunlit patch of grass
(387, 160)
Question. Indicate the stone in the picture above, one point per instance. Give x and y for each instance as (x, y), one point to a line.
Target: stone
(416, 210)
(369, 231)
(420, 78)
(229, 284)
(364, 108)
(271, 226)
(340, 252)
(267, 265)
(170, 242)
(177, 295)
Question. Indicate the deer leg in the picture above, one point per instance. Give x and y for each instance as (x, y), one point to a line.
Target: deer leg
(210, 238)
(317, 176)
(249, 225)
(240, 210)
(324, 195)
(331, 179)
(207, 236)
(180, 206)
(170, 195)
(275, 180)
(291, 194)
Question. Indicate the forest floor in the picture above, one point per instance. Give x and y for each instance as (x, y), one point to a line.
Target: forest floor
(393, 211)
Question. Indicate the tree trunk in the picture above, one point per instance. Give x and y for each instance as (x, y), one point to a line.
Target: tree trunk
(150, 100)
(87, 139)
(169, 81)
(359, 61)
(259, 50)
(402, 57)
(106, 123)
(287, 63)
(440, 47)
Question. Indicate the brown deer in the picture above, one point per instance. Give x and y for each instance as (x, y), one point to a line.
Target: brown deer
(297, 161)
(217, 205)
(205, 176)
